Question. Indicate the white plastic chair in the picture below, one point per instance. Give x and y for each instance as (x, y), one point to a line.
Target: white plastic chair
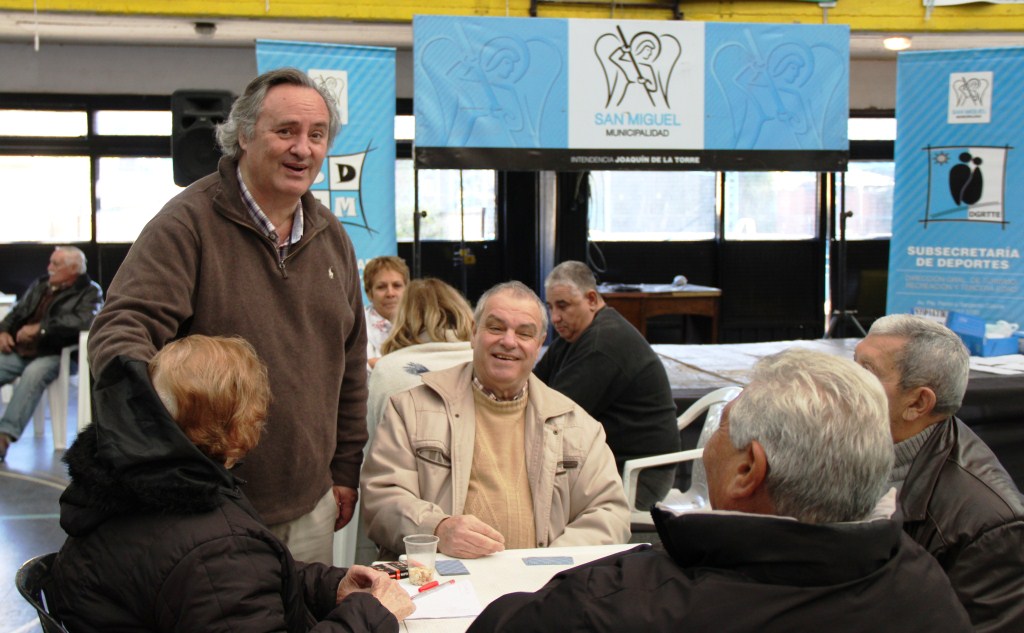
(84, 382)
(57, 392)
(696, 496)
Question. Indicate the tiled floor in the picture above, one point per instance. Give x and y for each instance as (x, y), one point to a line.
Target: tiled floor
(31, 481)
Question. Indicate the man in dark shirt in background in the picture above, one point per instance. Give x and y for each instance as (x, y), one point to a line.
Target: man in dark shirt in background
(606, 366)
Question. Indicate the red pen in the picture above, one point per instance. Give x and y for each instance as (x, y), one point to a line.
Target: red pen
(431, 587)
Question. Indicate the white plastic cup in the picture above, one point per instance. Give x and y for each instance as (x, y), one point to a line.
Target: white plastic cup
(420, 554)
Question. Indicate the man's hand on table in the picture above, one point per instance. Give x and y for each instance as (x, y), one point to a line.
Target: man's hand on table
(465, 536)
(376, 583)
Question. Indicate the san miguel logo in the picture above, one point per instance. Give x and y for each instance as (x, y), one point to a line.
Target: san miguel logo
(970, 99)
(637, 69)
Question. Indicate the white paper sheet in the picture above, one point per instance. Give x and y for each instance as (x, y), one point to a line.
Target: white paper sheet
(457, 600)
(1003, 365)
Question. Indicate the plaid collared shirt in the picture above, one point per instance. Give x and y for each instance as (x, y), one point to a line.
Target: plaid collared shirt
(262, 221)
(493, 396)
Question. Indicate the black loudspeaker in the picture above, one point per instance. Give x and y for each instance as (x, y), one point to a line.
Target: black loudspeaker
(195, 116)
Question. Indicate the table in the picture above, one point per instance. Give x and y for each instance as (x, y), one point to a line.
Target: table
(498, 574)
(639, 302)
(993, 405)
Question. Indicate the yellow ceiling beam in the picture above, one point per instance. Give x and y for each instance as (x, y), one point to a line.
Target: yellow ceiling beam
(860, 15)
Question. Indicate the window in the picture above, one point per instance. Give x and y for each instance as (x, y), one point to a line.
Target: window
(871, 129)
(129, 192)
(53, 162)
(652, 206)
(46, 199)
(777, 205)
(869, 197)
(45, 123)
(458, 204)
(133, 123)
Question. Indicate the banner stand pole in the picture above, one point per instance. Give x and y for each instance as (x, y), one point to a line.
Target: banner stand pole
(841, 314)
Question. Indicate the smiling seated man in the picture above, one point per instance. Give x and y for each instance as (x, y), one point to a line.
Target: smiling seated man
(801, 536)
(487, 457)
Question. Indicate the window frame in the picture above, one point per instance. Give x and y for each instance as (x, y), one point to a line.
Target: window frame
(93, 146)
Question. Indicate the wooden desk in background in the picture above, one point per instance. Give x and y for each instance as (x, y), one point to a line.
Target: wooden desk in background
(639, 302)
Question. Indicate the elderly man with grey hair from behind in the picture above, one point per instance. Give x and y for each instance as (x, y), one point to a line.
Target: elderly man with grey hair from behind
(802, 529)
(957, 500)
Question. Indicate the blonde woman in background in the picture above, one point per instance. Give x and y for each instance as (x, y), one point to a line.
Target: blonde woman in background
(431, 331)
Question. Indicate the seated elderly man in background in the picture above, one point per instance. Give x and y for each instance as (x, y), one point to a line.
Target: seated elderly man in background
(487, 457)
(161, 537)
(432, 331)
(801, 536)
(607, 367)
(54, 309)
(957, 500)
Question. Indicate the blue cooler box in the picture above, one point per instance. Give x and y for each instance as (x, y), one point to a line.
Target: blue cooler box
(972, 330)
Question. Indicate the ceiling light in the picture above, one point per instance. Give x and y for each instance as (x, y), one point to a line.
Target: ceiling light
(897, 43)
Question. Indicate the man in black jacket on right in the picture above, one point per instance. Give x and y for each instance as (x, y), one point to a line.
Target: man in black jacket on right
(802, 536)
(957, 500)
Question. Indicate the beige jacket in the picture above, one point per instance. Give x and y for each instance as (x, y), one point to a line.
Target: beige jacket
(417, 471)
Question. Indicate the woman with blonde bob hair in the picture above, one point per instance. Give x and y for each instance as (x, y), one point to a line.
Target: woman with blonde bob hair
(432, 331)
(431, 311)
(161, 536)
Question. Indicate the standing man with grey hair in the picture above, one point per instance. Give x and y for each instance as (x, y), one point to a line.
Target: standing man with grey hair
(54, 309)
(488, 458)
(801, 536)
(249, 251)
(607, 367)
(957, 500)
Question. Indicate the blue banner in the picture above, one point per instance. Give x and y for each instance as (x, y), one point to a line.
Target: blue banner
(528, 93)
(357, 180)
(956, 234)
